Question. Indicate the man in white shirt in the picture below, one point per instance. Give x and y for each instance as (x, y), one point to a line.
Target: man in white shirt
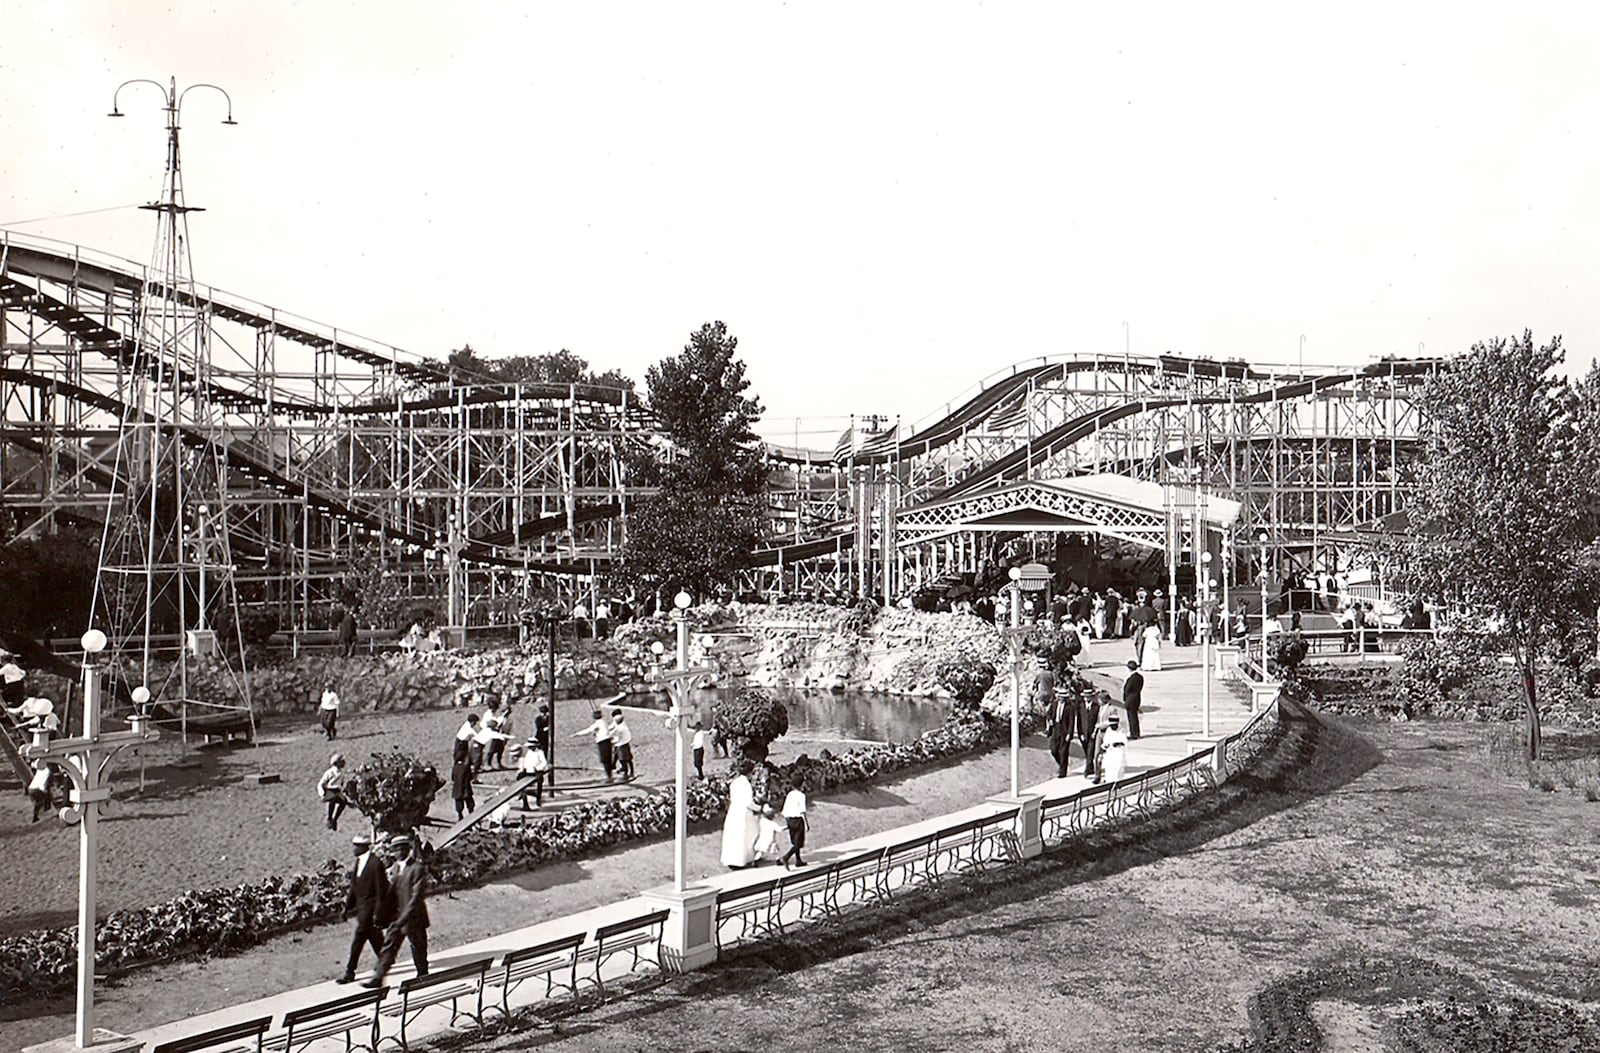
(328, 712)
(701, 740)
(12, 690)
(602, 620)
(622, 744)
(580, 619)
(330, 790)
(600, 732)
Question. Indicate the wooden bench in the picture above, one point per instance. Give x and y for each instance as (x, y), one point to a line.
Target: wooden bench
(340, 1018)
(858, 873)
(223, 726)
(979, 842)
(640, 937)
(545, 959)
(752, 906)
(912, 858)
(447, 985)
(809, 888)
(225, 1039)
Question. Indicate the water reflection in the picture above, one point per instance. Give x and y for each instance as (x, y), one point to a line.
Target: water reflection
(822, 716)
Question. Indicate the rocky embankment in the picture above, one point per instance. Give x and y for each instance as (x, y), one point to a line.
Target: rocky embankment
(801, 645)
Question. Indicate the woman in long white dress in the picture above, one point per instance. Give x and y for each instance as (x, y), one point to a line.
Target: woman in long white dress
(1150, 659)
(1113, 749)
(739, 827)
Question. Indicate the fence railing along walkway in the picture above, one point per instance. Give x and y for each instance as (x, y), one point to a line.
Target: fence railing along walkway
(763, 907)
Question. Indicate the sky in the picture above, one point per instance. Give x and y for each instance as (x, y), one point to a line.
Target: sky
(885, 202)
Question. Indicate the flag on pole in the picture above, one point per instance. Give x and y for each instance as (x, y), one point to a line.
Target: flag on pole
(1010, 412)
(842, 448)
(883, 442)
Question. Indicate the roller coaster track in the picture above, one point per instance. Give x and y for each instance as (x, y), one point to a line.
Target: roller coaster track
(86, 296)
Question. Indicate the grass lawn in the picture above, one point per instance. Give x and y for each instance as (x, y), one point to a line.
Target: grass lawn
(213, 824)
(1367, 867)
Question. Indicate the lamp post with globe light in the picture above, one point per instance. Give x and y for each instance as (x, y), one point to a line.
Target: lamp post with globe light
(1263, 539)
(84, 758)
(1014, 643)
(1208, 586)
(679, 682)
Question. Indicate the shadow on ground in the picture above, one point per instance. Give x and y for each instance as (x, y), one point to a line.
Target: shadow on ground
(1309, 758)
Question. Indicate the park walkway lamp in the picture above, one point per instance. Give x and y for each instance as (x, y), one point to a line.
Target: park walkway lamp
(1264, 539)
(1208, 587)
(84, 759)
(680, 682)
(1014, 644)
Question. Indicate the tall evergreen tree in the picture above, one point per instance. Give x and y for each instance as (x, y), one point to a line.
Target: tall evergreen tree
(707, 517)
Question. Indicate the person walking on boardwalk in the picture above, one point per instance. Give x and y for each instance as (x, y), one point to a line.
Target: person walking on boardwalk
(622, 745)
(328, 712)
(1113, 751)
(794, 816)
(1042, 695)
(600, 732)
(739, 827)
(1133, 697)
(367, 899)
(330, 790)
(410, 921)
(1090, 721)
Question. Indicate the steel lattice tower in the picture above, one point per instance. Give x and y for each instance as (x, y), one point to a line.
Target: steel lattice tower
(166, 566)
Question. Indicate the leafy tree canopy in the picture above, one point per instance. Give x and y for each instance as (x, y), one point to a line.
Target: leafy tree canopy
(561, 367)
(679, 540)
(1509, 495)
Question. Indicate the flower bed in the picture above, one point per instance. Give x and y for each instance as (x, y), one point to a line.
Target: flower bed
(241, 916)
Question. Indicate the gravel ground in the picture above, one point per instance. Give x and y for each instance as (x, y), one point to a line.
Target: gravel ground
(215, 825)
(1375, 844)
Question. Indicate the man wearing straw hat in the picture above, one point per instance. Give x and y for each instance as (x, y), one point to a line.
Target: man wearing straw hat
(410, 921)
(368, 900)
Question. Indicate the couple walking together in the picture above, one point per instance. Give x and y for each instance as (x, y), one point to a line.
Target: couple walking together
(750, 831)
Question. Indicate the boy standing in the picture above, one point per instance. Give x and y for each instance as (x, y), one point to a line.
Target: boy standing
(794, 814)
(622, 744)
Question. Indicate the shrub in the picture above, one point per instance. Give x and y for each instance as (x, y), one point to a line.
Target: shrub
(750, 721)
(394, 790)
(1288, 650)
(967, 678)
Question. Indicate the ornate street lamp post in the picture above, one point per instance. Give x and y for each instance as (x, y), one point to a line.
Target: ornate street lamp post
(1208, 587)
(84, 759)
(1014, 643)
(680, 682)
(1263, 539)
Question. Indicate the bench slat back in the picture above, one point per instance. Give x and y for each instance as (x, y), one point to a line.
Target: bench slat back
(313, 1013)
(550, 948)
(644, 921)
(217, 1036)
(454, 974)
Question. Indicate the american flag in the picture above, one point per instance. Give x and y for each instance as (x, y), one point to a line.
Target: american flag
(841, 449)
(882, 442)
(1011, 412)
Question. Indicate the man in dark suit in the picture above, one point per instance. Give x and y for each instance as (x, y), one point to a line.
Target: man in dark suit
(410, 921)
(368, 900)
(1088, 730)
(1133, 697)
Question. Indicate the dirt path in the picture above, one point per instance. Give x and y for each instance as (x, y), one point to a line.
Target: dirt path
(1366, 866)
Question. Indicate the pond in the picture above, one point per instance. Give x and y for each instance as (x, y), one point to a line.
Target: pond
(848, 716)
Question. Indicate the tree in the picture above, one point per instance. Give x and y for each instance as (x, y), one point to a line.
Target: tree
(560, 367)
(706, 518)
(49, 583)
(967, 678)
(1509, 497)
(394, 790)
(699, 399)
(688, 541)
(750, 720)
